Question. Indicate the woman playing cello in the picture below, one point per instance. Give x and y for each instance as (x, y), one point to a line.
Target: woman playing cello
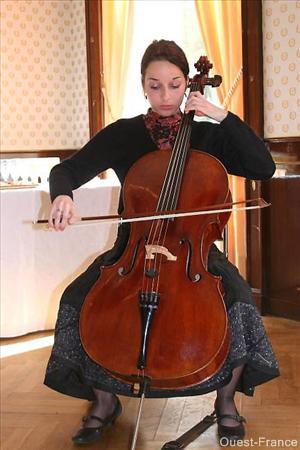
(251, 361)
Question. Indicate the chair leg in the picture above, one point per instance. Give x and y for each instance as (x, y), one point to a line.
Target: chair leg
(192, 434)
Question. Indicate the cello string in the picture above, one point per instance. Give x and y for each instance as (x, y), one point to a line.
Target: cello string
(181, 138)
(165, 200)
(185, 140)
(157, 226)
(177, 169)
(173, 181)
(180, 150)
(169, 194)
(170, 185)
(168, 199)
(168, 178)
(185, 143)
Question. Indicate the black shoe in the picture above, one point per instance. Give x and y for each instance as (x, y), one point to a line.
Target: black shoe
(228, 435)
(89, 435)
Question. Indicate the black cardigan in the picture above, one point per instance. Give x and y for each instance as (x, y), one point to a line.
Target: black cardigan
(121, 143)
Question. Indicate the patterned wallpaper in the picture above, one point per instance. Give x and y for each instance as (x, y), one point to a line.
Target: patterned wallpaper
(44, 99)
(44, 96)
(281, 36)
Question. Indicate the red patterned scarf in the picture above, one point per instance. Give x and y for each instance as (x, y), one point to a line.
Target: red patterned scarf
(163, 130)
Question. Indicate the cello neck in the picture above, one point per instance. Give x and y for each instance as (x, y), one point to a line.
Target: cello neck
(171, 187)
(172, 183)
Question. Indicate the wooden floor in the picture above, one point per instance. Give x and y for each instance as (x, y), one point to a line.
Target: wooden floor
(36, 418)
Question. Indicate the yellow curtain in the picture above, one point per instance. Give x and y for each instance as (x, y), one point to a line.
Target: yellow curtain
(221, 28)
(117, 19)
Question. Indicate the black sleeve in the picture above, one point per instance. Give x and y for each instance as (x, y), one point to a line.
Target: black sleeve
(236, 145)
(95, 157)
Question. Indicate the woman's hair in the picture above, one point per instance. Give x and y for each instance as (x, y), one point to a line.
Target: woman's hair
(163, 50)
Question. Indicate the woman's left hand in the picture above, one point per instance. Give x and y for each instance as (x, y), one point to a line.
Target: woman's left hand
(202, 107)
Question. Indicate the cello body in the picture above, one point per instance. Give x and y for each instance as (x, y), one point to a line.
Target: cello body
(165, 266)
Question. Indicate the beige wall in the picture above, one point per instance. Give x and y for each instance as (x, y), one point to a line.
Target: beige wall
(44, 97)
(281, 39)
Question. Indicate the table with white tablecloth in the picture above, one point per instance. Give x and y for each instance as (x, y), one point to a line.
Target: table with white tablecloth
(37, 265)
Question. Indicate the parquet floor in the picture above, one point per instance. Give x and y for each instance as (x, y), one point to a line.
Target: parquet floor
(36, 418)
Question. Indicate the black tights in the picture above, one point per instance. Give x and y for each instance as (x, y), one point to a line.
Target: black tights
(105, 402)
(102, 407)
(225, 397)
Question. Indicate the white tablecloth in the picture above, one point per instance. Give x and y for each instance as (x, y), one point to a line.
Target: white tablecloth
(37, 265)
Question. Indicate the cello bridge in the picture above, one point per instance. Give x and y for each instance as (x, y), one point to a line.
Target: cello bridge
(151, 250)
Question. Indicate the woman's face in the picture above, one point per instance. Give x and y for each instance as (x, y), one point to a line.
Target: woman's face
(164, 85)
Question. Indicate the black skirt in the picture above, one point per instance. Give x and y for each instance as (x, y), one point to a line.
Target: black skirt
(71, 371)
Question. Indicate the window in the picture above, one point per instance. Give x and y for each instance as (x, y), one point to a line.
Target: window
(153, 19)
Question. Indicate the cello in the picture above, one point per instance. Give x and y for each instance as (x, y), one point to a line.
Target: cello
(156, 317)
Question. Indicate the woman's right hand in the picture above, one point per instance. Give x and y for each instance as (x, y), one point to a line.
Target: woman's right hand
(62, 212)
